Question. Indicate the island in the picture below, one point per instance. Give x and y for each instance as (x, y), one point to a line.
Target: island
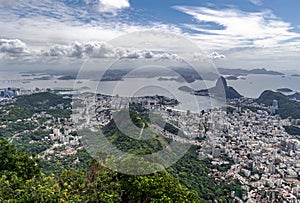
(67, 77)
(296, 75)
(186, 89)
(238, 72)
(232, 77)
(178, 79)
(43, 78)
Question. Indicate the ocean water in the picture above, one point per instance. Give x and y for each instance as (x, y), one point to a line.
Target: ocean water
(254, 85)
(251, 86)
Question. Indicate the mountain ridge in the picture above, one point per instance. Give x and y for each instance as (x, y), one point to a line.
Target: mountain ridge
(239, 71)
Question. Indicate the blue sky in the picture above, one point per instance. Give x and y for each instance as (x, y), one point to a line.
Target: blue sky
(233, 33)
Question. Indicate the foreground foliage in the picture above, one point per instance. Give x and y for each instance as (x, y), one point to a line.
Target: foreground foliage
(21, 181)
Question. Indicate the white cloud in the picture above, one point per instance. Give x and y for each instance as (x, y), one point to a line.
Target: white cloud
(60, 25)
(103, 50)
(112, 6)
(239, 28)
(256, 2)
(95, 49)
(197, 56)
(248, 39)
(17, 51)
(79, 50)
(216, 55)
(7, 2)
(64, 25)
(13, 46)
(54, 28)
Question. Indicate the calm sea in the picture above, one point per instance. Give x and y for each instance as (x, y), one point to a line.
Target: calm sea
(251, 86)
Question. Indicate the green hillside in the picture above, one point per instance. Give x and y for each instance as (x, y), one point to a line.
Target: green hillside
(287, 107)
(122, 141)
(43, 99)
(21, 181)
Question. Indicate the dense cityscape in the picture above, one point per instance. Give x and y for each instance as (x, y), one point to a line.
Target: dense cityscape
(263, 157)
(158, 101)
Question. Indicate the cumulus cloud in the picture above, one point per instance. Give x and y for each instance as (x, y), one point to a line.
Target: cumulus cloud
(112, 6)
(212, 56)
(216, 55)
(80, 50)
(16, 52)
(77, 50)
(104, 50)
(13, 46)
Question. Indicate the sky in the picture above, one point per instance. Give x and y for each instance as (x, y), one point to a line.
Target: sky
(232, 33)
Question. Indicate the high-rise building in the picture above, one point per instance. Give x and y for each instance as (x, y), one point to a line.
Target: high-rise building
(216, 152)
(272, 110)
(275, 104)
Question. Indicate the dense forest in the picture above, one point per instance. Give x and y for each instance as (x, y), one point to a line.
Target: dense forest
(23, 181)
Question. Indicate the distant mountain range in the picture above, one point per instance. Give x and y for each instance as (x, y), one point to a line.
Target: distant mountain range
(188, 75)
(237, 72)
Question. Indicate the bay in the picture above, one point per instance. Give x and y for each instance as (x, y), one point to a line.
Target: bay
(251, 86)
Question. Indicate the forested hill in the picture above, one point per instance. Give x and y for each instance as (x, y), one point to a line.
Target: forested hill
(287, 107)
(42, 100)
(22, 181)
